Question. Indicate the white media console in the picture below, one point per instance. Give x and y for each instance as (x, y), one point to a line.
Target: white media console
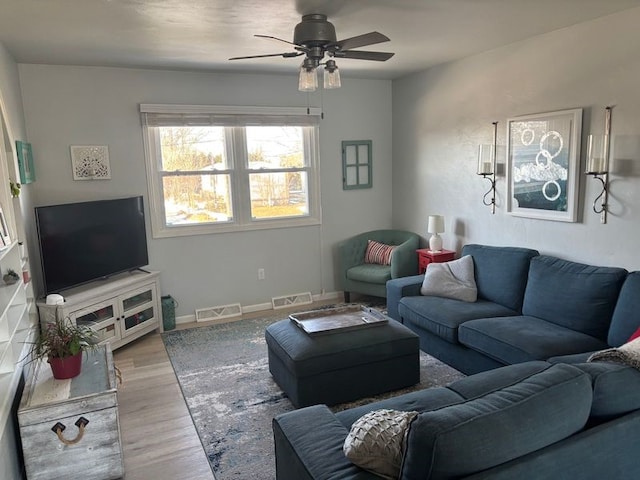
(120, 308)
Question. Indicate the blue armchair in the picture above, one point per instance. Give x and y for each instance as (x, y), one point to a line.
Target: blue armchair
(371, 279)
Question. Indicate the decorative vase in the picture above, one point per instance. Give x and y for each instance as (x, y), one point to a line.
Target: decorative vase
(67, 367)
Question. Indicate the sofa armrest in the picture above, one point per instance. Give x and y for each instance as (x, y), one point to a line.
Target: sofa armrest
(401, 287)
(308, 445)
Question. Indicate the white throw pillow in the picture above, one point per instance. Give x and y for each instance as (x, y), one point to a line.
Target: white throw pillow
(453, 279)
(377, 441)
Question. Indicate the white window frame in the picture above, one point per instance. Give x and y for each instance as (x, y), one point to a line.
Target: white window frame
(234, 119)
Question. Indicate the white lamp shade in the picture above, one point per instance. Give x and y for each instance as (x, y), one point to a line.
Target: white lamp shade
(436, 224)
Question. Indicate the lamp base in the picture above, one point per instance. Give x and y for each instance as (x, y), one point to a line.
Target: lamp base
(435, 243)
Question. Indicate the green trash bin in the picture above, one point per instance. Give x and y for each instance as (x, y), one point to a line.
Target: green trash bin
(168, 312)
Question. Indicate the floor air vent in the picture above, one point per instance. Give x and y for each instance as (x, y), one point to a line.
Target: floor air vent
(219, 312)
(291, 300)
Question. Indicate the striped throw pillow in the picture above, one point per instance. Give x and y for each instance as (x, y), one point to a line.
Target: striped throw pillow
(378, 253)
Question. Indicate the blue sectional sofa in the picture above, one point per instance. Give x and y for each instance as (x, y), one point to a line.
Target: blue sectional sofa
(529, 307)
(532, 407)
(532, 420)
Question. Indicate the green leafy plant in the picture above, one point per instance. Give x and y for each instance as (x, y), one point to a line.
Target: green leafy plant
(61, 339)
(10, 277)
(15, 189)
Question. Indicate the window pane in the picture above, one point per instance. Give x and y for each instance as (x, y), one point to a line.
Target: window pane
(193, 148)
(283, 194)
(275, 147)
(195, 199)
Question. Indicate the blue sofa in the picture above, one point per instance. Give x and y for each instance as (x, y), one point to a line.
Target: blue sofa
(532, 420)
(532, 407)
(529, 307)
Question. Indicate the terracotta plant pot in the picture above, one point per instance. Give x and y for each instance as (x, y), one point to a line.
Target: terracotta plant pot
(67, 367)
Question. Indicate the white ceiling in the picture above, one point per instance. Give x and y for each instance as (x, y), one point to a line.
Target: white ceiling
(201, 35)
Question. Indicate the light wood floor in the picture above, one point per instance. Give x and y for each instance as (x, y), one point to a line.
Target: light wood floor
(158, 437)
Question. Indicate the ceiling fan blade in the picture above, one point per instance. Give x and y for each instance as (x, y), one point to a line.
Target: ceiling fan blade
(269, 37)
(370, 38)
(363, 55)
(284, 55)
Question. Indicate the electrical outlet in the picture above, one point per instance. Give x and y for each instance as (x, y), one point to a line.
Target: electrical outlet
(261, 274)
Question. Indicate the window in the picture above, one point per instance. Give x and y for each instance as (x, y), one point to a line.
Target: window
(219, 169)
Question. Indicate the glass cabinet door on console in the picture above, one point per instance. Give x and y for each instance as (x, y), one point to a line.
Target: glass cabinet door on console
(138, 308)
(102, 318)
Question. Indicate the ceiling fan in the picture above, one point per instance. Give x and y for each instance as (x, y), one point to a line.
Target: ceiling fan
(315, 37)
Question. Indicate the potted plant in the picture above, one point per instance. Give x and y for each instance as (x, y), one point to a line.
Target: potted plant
(62, 343)
(10, 277)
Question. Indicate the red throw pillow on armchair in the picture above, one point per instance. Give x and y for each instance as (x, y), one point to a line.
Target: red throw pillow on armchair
(635, 335)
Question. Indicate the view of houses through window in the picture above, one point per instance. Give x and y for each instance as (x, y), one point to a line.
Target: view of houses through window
(201, 165)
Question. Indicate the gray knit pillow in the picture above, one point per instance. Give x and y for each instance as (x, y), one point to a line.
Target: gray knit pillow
(377, 440)
(453, 279)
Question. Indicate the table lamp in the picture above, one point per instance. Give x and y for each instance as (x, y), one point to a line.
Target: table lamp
(435, 226)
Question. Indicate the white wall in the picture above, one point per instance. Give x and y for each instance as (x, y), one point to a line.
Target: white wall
(99, 106)
(441, 116)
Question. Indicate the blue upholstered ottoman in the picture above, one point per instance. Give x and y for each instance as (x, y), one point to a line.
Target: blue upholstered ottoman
(341, 366)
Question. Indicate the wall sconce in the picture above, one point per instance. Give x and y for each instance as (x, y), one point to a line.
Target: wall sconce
(487, 168)
(598, 164)
(435, 226)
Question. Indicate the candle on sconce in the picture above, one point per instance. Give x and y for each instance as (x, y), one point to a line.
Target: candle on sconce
(485, 160)
(597, 162)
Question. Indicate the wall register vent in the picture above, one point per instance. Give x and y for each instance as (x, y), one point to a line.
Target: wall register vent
(290, 300)
(219, 312)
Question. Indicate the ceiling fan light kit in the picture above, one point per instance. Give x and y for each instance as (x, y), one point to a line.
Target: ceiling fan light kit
(315, 37)
(308, 80)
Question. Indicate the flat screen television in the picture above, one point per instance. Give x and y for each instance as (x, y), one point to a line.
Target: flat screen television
(82, 242)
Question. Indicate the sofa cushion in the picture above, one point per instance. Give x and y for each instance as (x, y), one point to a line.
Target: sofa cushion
(523, 338)
(615, 388)
(571, 358)
(501, 273)
(626, 316)
(443, 316)
(377, 441)
(490, 380)
(573, 295)
(419, 401)
(495, 428)
(370, 273)
(451, 280)
(379, 253)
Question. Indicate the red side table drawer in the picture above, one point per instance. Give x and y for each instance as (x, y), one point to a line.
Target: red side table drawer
(426, 256)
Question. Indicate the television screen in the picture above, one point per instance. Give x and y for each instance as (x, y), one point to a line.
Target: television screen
(81, 242)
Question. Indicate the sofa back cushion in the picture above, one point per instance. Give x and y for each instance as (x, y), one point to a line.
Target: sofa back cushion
(497, 427)
(574, 295)
(501, 273)
(626, 316)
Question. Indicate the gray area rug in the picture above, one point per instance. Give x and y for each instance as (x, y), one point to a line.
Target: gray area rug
(224, 376)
